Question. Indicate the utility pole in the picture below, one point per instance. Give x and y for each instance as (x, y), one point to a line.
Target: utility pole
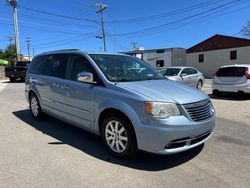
(10, 38)
(33, 50)
(13, 3)
(102, 8)
(28, 46)
(134, 45)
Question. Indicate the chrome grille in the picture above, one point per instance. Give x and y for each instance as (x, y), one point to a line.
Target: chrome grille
(200, 111)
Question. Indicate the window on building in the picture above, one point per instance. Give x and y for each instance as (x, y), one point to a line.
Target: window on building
(233, 55)
(160, 51)
(201, 58)
(159, 63)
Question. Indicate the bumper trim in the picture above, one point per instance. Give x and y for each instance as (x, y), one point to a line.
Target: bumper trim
(188, 145)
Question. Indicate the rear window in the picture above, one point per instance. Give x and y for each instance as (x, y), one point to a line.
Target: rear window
(231, 72)
(22, 63)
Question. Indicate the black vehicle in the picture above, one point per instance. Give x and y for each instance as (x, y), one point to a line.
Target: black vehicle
(17, 72)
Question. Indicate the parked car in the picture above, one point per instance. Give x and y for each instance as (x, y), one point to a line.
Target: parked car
(130, 110)
(17, 72)
(185, 75)
(232, 78)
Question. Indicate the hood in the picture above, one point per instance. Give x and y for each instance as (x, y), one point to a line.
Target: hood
(165, 91)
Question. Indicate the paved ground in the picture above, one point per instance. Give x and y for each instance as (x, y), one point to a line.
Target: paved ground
(51, 153)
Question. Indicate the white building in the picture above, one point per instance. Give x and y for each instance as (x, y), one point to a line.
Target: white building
(219, 50)
(160, 58)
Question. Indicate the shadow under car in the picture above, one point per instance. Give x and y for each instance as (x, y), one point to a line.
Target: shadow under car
(91, 144)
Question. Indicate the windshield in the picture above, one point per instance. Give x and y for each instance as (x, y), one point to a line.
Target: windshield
(120, 68)
(170, 71)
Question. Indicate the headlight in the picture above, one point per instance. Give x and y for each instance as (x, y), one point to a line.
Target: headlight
(161, 109)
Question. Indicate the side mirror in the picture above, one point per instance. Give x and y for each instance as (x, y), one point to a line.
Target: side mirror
(183, 74)
(86, 77)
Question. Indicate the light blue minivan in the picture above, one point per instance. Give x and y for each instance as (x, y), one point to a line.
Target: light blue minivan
(122, 99)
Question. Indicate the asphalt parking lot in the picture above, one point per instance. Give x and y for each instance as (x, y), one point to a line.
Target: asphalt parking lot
(51, 153)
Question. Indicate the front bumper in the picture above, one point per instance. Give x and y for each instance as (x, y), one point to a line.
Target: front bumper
(172, 137)
(232, 88)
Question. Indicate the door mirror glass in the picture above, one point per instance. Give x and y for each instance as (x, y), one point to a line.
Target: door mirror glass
(85, 77)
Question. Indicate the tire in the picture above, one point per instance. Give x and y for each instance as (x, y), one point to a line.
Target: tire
(199, 84)
(216, 93)
(12, 79)
(123, 144)
(35, 107)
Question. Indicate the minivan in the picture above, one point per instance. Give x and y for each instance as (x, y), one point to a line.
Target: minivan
(121, 98)
(232, 78)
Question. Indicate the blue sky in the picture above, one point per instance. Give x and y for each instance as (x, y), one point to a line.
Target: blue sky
(150, 24)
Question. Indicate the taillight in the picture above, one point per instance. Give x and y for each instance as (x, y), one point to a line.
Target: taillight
(247, 73)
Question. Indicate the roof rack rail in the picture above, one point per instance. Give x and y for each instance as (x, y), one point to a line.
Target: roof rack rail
(62, 50)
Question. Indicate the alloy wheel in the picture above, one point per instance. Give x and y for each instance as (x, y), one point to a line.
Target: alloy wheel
(34, 106)
(116, 136)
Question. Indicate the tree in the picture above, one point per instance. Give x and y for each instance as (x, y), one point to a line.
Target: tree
(1, 54)
(246, 29)
(10, 54)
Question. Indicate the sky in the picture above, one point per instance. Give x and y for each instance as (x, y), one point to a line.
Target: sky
(74, 24)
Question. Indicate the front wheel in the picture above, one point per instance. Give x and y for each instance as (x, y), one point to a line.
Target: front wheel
(118, 136)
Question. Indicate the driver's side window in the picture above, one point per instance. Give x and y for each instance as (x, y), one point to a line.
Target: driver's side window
(79, 64)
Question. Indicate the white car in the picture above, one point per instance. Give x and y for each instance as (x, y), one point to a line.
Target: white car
(186, 75)
(232, 78)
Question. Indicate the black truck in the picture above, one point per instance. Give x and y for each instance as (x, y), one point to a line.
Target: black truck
(17, 72)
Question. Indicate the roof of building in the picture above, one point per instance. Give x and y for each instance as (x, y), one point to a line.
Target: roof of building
(151, 50)
(218, 42)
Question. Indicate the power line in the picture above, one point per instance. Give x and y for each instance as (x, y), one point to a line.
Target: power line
(169, 13)
(59, 15)
(151, 29)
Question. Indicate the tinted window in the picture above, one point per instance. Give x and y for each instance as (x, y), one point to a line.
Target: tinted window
(189, 71)
(231, 72)
(56, 65)
(36, 66)
(170, 71)
(22, 63)
(192, 71)
(79, 64)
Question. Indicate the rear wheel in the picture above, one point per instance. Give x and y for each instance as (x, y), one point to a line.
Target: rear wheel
(118, 136)
(199, 84)
(35, 107)
(12, 79)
